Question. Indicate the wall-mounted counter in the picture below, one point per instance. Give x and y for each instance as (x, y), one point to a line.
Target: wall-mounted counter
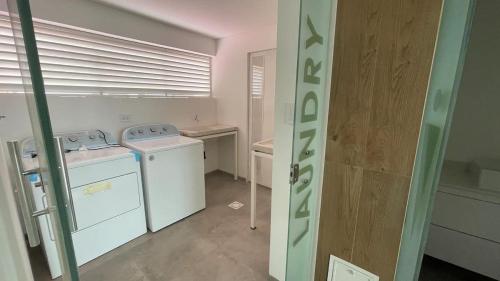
(215, 131)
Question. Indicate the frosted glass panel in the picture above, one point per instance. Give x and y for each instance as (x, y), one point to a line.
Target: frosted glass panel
(312, 91)
(441, 96)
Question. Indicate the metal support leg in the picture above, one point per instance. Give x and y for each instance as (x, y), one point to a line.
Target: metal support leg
(236, 156)
(253, 183)
(253, 191)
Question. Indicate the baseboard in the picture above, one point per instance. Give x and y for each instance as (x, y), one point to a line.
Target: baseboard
(218, 171)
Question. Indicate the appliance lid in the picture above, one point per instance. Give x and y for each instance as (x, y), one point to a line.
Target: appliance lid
(161, 144)
(86, 157)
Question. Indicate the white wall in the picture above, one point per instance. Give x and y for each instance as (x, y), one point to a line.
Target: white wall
(475, 131)
(230, 86)
(74, 114)
(91, 15)
(287, 52)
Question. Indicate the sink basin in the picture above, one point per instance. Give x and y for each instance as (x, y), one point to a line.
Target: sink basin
(265, 146)
(207, 130)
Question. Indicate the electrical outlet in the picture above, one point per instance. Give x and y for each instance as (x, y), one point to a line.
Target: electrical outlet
(125, 118)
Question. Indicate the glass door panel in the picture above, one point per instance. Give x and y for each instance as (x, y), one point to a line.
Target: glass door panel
(50, 165)
(445, 79)
(311, 100)
(262, 76)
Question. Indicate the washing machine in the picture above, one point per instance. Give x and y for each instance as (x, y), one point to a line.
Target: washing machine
(106, 189)
(172, 172)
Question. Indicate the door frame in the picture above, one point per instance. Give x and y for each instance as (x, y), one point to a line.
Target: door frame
(250, 55)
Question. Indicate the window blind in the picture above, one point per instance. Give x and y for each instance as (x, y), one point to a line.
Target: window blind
(257, 80)
(78, 61)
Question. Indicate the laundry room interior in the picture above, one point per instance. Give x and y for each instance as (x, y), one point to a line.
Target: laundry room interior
(128, 81)
(259, 140)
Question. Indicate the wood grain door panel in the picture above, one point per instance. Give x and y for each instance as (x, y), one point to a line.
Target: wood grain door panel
(382, 62)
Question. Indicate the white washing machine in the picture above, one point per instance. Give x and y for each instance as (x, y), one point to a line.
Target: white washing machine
(106, 189)
(173, 172)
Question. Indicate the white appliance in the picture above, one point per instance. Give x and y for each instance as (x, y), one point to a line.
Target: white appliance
(465, 229)
(106, 188)
(173, 172)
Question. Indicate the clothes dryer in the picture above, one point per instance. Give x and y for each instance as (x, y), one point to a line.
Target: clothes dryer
(107, 195)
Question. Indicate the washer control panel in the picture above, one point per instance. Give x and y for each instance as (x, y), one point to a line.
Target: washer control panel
(91, 139)
(151, 131)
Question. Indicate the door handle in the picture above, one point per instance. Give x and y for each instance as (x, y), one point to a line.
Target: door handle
(63, 170)
(24, 191)
(24, 198)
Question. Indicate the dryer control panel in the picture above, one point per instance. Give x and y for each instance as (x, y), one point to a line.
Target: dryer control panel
(91, 139)
(151, 131)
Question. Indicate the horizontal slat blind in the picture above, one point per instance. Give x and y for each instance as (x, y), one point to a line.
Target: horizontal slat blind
(77, 61)
(257, 80)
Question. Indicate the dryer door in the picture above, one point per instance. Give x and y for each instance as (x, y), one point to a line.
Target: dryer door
(106, 199)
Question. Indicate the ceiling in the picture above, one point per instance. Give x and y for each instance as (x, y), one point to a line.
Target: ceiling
(215, 18)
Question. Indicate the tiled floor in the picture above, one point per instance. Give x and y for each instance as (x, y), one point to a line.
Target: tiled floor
(214, 244)
(437, 270)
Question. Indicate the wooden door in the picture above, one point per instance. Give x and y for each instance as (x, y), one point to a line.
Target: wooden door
(382, 62)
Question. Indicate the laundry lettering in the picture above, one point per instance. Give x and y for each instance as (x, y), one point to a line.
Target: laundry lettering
(308, 113)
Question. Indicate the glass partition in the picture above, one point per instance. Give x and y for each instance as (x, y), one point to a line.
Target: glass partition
(48, 168)
(442, 92)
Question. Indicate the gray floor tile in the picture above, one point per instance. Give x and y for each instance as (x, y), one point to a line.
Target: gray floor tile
(214, 244)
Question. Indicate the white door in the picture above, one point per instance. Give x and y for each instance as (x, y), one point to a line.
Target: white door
(12, 244)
